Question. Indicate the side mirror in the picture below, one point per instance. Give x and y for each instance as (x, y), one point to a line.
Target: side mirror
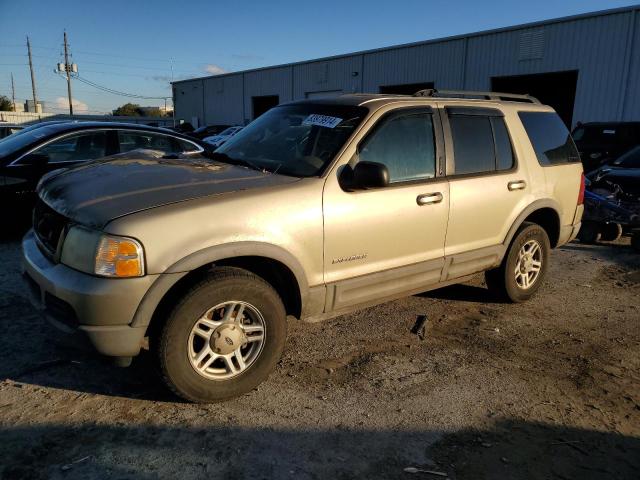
(370, 175)
(36, 159)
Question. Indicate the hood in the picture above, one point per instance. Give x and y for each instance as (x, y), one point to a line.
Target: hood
(95, 193)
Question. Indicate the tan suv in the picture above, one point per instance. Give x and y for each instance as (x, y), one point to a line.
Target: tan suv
(314, 209)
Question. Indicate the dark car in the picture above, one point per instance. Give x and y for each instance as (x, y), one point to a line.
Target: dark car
(626, 181)
(7, 129)
(27, 156)
(603, 142)
(630, 159)
(208, 131)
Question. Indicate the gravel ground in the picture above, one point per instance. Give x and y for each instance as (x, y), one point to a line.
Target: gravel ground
(549, 389)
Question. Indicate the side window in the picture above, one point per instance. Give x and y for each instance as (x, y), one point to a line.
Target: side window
(132, 140)
(549, 137)
(75, 148)
(405, 144)
(504, 151)
(473, 147)
(480, 144)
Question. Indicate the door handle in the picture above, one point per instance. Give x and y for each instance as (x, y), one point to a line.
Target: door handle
(429, 198)
(516, 185)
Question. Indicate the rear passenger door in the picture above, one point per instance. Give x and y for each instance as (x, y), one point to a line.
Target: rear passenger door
(488, 187)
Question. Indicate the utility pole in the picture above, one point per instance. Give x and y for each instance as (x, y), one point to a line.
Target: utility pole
(13, 93)
(33, 78)
(173, 98)
(67, 69)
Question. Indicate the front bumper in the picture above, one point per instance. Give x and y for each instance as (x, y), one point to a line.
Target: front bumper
(102, 308)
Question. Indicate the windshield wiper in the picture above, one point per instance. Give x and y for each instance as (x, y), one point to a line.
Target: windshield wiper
(224, 158)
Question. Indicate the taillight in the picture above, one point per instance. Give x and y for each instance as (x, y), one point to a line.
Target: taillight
(581, 194)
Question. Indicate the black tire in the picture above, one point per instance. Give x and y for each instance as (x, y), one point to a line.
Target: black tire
(610, 232)
(589, 232)
(221, 285)
(502, 282)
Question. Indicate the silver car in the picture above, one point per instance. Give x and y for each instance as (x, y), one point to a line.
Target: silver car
(315, 209)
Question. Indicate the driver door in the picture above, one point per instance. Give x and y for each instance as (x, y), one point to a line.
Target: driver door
(385, 242)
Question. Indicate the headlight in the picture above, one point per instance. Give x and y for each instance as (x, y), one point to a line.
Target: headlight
(119, 257)
(100, 254)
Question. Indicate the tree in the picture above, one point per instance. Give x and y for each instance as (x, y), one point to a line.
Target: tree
(5, 104)
(128, 110)
(135, 110)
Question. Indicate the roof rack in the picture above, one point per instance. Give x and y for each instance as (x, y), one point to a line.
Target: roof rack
(513, 97)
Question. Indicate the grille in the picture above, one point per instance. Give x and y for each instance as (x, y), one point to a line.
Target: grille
(48, 226)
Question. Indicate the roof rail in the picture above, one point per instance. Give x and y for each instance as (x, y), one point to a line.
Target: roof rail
(432, 92)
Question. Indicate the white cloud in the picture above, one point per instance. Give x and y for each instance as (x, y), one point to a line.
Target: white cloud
(214, 69)
(62, 103)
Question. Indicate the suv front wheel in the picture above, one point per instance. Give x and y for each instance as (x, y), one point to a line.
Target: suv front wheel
(524, 266)
(223, 338)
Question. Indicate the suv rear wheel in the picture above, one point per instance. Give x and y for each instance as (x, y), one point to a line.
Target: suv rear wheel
(223, 338)
(521, 273)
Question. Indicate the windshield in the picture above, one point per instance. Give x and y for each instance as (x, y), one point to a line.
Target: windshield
(24, 138)
(297, 140)
(631, 159)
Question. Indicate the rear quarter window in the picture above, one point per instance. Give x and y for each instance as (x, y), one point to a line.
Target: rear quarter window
(550, 138)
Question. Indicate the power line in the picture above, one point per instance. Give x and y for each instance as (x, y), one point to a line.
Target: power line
(103, 54)
(117, 92)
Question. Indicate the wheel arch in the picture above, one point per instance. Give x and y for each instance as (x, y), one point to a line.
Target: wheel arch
(545, 213)
(277, 266)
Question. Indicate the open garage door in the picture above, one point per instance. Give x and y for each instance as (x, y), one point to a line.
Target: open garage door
(263, 103)
(557, 89)
(405, 88)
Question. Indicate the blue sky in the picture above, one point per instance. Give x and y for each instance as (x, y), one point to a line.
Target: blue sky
(130, 45)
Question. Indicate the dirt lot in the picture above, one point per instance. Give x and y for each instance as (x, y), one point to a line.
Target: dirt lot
(545, 390)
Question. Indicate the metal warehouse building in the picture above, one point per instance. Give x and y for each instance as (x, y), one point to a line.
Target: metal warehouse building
(586, 66)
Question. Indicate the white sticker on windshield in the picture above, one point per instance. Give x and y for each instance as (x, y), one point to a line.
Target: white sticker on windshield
(322, 120)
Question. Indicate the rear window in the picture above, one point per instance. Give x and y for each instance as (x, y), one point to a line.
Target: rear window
(549, 137)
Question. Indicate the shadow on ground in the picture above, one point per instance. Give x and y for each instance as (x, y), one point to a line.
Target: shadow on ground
(510, 449)
(462, 292)
(622, 254)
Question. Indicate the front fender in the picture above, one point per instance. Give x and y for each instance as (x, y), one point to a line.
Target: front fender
(209, 255)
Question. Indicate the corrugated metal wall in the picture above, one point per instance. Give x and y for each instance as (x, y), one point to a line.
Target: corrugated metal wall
(223, 99)
(593, 46)
(630, 107)
(441, 63)
(604, 48)
(273, 81)
(327, 76)
(188, 100)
